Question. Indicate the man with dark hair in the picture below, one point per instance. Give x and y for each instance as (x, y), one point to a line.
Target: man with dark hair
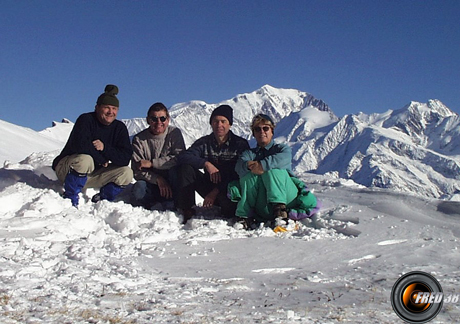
(97, 152)
(217, 154)
(155, 151)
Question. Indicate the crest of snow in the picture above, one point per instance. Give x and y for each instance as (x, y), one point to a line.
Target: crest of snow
(18, 142)
(59, 131)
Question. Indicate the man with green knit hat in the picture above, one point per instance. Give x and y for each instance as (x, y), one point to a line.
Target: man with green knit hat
(97, 152)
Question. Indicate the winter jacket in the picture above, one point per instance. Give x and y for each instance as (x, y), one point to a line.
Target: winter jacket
(162, 150)
(117, 146)
(256, 194)
(272, 156)
(223, 157)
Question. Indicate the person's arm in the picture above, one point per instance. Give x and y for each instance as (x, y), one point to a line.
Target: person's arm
(119, 151)
(194, 155)
(281, 159)
(241, 166)
(138, 160)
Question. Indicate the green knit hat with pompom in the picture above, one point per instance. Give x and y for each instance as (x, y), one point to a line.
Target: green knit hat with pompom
(109, 97)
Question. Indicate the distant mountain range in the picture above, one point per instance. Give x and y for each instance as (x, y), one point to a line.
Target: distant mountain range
(414, 149)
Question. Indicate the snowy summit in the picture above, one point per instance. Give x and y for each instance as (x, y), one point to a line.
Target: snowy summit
(389, 184)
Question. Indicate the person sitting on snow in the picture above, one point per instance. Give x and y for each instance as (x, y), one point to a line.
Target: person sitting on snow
(216, 153)
(267, 189)
(97, 153)
(155, 151)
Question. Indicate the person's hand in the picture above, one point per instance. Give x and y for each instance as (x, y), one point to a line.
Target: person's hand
(145, 164)
(210, 198)
(98, 145)
(255, 167)
(214, 173)
(165, 188)
(105, 165)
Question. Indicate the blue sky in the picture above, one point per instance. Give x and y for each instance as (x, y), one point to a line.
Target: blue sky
(371, 56)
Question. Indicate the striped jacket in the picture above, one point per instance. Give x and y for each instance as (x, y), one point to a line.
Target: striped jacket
(223, 157)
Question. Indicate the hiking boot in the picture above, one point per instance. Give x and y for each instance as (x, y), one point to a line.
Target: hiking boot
(96, 198)
(280, 211)
(107, 192)
(248, 223)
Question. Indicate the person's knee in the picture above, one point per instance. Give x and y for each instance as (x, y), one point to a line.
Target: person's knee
(125, 176)
(275, 173)
(82, 163)
(139, 190)
(184, 169)
(186, 175)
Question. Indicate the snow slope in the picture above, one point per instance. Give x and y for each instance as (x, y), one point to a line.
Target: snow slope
(18, 142)
(112, 263)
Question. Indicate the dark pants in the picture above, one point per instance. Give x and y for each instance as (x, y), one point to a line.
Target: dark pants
(191, 180)
(147, 194)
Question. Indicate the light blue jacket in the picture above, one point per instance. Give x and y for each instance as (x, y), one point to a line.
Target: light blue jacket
(272, 156)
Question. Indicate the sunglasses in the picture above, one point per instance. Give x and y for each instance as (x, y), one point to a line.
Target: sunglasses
(259, 129)
(155, 119)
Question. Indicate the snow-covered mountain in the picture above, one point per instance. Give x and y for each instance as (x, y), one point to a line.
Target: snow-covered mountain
(414, 149)
(193, 117)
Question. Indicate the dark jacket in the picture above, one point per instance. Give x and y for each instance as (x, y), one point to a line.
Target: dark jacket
(117, 146)
(223, 157)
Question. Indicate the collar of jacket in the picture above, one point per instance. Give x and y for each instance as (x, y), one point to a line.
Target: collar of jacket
(226, 143)
(267, 147)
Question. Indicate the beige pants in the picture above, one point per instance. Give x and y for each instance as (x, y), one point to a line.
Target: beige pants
(83, 163)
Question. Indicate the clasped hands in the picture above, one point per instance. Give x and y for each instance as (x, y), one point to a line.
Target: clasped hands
(255, 167)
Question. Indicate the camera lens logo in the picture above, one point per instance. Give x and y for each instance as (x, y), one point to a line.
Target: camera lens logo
(417, 297)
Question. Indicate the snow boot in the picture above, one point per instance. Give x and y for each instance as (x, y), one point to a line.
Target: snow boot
(107, 192)
(280, 211)
(73, 184)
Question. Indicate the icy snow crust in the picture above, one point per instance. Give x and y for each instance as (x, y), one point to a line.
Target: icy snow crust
(112, 263)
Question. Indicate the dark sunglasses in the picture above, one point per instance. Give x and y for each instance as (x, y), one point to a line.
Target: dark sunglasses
(155, 119)
(259, 129)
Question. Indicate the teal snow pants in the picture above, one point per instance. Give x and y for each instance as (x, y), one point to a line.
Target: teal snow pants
(258, 193)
